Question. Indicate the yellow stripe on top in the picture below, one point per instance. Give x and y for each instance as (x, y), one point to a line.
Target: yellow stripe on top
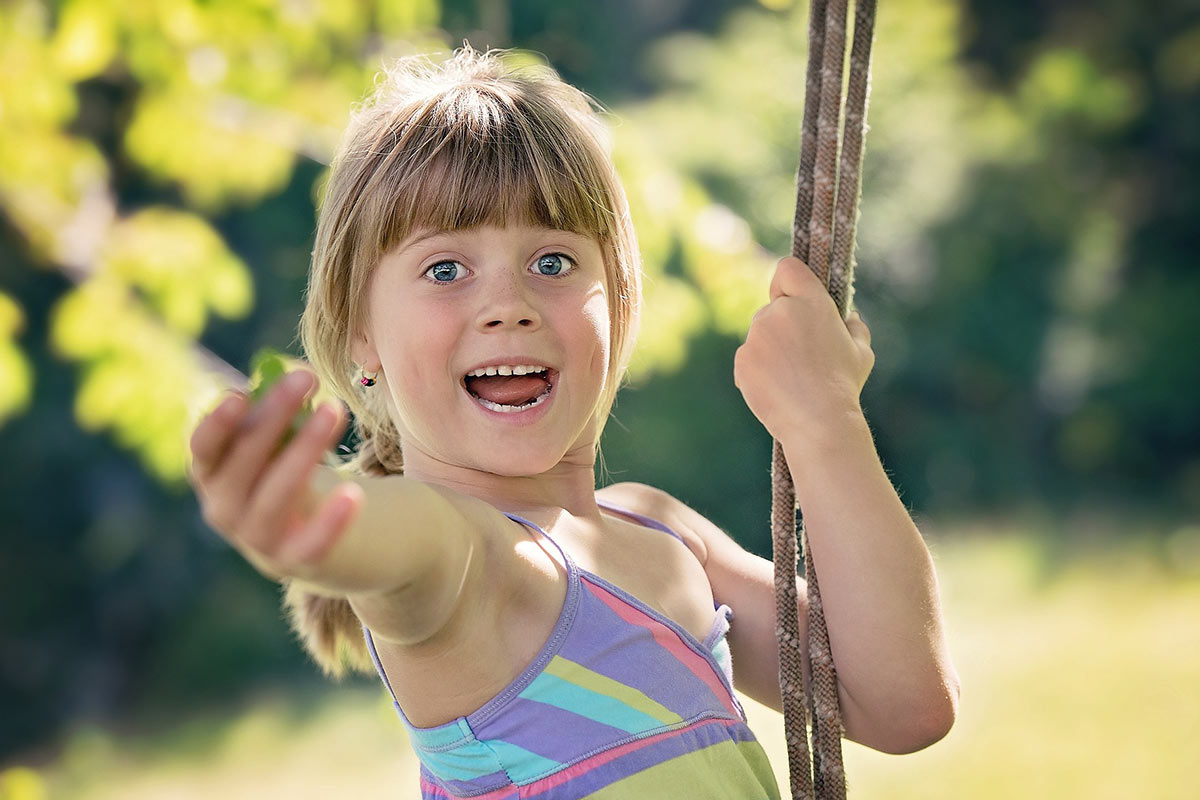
(726, 769)
(580, 675)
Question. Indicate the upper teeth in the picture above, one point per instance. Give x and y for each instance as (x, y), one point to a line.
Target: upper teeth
(520, 369)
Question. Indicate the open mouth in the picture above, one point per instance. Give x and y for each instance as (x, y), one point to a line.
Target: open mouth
(510, 389)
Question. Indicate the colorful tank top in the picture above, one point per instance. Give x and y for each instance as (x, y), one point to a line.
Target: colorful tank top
(620, 704)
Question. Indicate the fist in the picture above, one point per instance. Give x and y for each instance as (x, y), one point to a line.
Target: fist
(802, 367)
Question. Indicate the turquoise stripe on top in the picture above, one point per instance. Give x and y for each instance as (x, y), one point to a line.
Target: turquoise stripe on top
(602, 708)
(520, 765)
(463, 762)
(721, 653)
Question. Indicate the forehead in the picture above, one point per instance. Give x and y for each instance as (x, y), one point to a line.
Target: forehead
(518, 234)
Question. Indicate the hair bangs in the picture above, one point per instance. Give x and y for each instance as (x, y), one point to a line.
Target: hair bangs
(477, 158)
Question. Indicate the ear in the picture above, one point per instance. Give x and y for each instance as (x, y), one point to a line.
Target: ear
(362, 350)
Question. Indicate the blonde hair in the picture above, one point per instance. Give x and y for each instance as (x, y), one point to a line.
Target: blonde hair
(471, 141)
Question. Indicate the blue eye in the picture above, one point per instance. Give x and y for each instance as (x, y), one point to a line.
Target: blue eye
(444, 271)
(554, 264)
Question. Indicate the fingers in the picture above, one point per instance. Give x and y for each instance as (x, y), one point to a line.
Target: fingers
(313, 543)
(249, 446)
(211, 437)
(793, 278)
(858, 329)
(285, 482)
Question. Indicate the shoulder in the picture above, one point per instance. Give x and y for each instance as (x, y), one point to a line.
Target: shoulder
(720, 554)
(693, 527)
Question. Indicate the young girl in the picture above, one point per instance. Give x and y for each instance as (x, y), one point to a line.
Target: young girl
(473, 298)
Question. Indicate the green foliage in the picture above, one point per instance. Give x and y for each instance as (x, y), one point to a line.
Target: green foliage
(225, 97)
(267, 367)
(133, 324)
(21, 783)
(1026, 247)
(16, 377)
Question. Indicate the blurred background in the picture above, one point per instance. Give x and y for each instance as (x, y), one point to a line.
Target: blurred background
(1027, 265)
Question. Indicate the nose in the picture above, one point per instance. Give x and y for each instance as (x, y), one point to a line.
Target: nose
(509, 304)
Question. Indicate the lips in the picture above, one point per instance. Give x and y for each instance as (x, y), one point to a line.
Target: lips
(507, 389)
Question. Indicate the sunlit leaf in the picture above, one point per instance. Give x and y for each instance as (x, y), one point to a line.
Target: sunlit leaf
(218, 147)
(16, 375)
(85, 39)
(22, 783)
(182, 266)
(404, 16)
(138, 378)
(33, 93)
(45, 177)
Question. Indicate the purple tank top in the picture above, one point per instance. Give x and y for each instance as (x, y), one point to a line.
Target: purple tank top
(621, 702)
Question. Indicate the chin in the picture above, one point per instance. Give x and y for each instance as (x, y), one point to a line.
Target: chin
(515, 469)
(521, 461)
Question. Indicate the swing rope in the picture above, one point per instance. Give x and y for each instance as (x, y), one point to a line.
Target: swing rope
(823, 232)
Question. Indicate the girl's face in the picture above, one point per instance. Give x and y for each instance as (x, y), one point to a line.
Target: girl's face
(446, 304)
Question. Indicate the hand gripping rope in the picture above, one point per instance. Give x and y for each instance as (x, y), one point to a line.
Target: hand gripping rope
(827, 193)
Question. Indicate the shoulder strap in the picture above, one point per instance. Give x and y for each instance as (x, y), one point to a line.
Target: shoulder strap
(370, 640)
(379, 664)
(648, 522)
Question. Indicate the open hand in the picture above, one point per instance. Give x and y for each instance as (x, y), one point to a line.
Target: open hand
(802, 368)
(256, 494)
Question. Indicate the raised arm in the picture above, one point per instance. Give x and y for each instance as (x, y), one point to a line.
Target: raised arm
(801, 371)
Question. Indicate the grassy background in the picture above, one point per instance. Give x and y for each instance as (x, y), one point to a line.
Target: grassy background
(1079, 668)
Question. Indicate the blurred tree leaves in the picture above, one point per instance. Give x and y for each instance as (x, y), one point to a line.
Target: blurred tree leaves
(16, 376)
(999, 228)
(20, 783)
(133, 325)
(225, 97)
(1027, 245)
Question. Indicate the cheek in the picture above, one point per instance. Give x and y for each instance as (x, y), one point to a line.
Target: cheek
(598, 327)
(417, 336)
(416, 356)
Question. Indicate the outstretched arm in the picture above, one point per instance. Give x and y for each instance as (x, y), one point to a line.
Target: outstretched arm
(399, 549)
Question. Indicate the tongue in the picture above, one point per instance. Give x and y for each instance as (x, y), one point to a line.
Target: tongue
(508, 390)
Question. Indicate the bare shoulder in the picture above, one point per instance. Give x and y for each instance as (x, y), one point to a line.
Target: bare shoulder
(701, 534)
(723, 558)
(662, 506)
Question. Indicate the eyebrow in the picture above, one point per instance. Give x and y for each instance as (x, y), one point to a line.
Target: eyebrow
(434, 234)
(411, 243)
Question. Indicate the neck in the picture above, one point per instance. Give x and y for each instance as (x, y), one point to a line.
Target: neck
(567, 487)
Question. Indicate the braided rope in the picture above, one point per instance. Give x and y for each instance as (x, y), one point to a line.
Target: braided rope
(787, 627)
(841, 270)
(783, 496)
(823, 234)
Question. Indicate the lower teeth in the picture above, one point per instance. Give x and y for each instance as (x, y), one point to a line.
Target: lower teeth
(505, 409)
